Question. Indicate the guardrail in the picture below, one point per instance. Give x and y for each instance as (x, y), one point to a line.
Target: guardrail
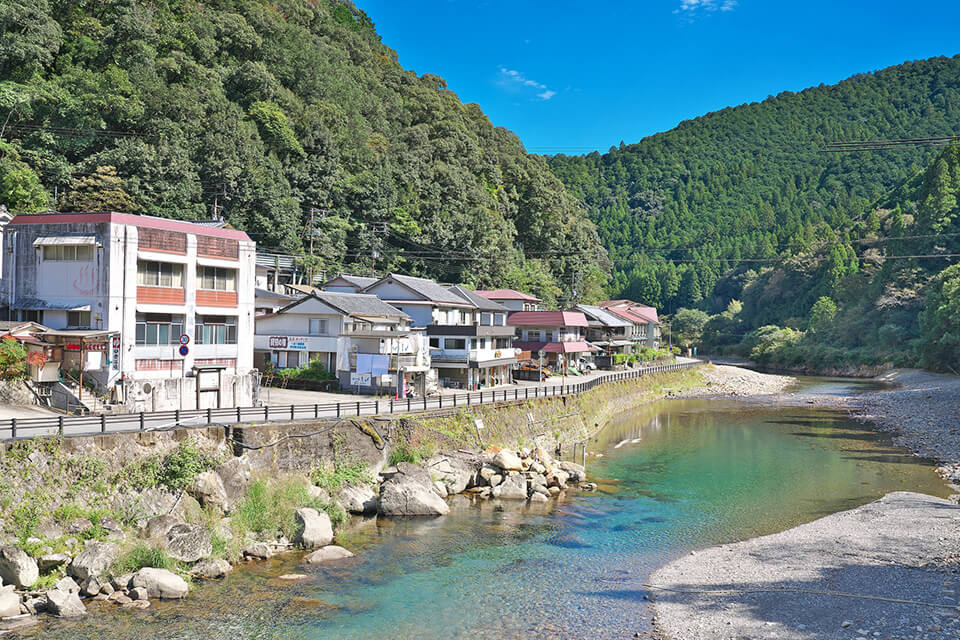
(68, 426)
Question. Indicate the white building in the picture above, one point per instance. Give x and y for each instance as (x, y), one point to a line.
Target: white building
(119, 293)
(368, 343)
(512, 299)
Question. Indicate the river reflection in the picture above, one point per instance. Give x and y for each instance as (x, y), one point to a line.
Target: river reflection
(673, 477)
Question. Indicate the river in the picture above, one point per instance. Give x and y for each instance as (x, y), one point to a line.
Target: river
(674, 476)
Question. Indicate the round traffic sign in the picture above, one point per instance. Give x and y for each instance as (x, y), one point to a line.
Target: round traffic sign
(184, 338)
(184, 349)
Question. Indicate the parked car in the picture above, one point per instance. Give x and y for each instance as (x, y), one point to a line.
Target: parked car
(587, 365)
(531, 371)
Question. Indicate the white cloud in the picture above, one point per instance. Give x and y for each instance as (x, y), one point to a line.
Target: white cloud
(512, 77)
(692, 8)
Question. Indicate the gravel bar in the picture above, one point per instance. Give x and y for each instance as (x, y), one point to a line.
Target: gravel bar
(903, 547)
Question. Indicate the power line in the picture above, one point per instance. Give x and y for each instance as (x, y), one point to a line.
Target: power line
(884, 145)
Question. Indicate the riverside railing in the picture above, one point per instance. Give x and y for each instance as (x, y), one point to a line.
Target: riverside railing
(67, 426)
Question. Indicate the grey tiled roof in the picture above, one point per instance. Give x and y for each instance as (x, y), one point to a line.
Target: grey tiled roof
(361, 282)
(428, 289)
(479, 302)
(359, 304)
(602, 315)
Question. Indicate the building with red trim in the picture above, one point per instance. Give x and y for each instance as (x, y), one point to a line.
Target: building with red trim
(559, 334)
(119, 292)
(512, 299)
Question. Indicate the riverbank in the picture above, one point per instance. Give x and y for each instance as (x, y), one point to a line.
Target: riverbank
(719, 380)
(887, 569)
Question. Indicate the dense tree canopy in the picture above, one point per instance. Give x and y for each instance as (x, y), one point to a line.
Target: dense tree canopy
(272, 109)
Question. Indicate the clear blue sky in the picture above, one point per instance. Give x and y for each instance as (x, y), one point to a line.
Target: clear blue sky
(577, 76)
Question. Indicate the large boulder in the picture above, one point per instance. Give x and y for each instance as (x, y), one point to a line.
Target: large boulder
(160, 583)
(512, 488)
(94, 560)
(454, 474)
(209, 491)
(235, 475)
(358, 499)
(328, 553)
(576, 472)
(159, 526)
(508, 460)
(51, 561)
(410, 493)
(189, 542)
(313, 528)
(211, 569)
(17, 568)
(64, 605)
(9, 602)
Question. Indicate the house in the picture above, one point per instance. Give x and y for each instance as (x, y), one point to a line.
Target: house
(156, 313)
(465, 330)
(346, 283)
(267, 301)
(646, 323)
(512, 300)
(367, 343)
(559, 334)
(607, 330)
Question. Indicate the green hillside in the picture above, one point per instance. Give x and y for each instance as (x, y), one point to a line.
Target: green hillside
(686, 213)
(271, 109)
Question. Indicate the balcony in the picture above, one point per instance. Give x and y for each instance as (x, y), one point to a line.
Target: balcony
(469, 330)
(367, 332)
(473, 358)
(396, 361)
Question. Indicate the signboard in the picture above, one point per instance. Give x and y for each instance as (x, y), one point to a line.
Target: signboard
(278, 342)
(116, 342)
(95, 346)
(297, 344)
(184, 350)
(293, 343)
(184, 338)
(386, 378)
(115, 353)
(360, 379)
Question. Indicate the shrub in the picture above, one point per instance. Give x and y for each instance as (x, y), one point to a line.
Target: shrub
(177, 470)
(268, 507)
(142, 556)
(403, 451)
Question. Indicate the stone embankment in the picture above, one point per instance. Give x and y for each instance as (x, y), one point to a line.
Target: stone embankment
(884, 570)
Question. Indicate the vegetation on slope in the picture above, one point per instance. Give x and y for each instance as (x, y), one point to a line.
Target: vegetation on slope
(271, 110)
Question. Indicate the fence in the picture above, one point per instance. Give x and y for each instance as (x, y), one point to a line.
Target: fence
(17, 428)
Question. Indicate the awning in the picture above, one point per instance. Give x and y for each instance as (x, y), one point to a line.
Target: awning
(35, 304)
(578, 346)
(50, 241)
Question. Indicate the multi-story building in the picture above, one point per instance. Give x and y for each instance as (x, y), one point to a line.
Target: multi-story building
(606, 330)
(367, 343)
(646, 324)
(157, 312)
(558, 334)
(469, 336)
(512, 300)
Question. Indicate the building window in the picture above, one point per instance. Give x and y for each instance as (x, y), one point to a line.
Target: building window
(435, 343)
(69, 253)
(78, 318)
(160, 274)
(158, 328)
(498, 320)
(31, 315)
(216, 278)
(318, 326)
(288, 359)
(454, 343)
(216, 330)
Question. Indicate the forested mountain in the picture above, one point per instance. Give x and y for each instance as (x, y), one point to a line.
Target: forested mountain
(271, 109)
(688, 214)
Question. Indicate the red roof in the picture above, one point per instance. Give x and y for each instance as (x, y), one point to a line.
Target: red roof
(547, 319)
(631, 311)
(130, 219)
(506, 294)
(578, 346)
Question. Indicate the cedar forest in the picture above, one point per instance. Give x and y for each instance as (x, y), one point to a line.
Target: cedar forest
(297, 121)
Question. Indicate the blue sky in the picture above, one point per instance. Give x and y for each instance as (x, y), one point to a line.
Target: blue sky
(576, 76)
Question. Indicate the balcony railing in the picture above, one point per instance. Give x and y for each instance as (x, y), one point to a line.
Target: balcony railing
(402, 361)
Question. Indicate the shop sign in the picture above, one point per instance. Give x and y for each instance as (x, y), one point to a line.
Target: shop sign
(297, 344)
(360, 379)
(278, 342)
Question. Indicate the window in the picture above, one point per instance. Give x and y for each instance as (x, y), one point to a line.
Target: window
(318, 326)
(160, 274)
(31, 315)
(216, 330)
(485, 318)
(216, 278)
(498, 320)
(465, 317)
(288, 359)
(435, 343)
(158, 328)
(78, 318)
(71, 253)
(454, 343)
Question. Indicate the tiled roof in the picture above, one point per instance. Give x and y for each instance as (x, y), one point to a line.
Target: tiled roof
(478, 301)
(506, 294)
(150, 222)
(429, 289)
(547, 319)
(605, 318)
(361, 282)
(577, 346)
(352, 304)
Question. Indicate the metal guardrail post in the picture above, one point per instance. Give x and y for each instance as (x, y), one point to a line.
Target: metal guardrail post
(376, 407)
(13, 428)
(293, 414)
(408, 403)
(424, 403)
(141, 421)
(238, 415)
(60, 425)
(209, 416)
(103, 423)
(338, 410)
(176, 416)
(266, 412)
(358, 407)
(316, 410)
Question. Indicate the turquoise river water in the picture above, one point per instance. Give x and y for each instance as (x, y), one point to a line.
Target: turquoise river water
(673, 477)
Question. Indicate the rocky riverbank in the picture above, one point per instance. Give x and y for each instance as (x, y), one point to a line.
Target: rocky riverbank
(730, 381)
(885, 570)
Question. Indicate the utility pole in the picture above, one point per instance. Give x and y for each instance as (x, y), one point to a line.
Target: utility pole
(378, 229)
(312, 232)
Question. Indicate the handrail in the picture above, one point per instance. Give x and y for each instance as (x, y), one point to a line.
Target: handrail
(68, 426)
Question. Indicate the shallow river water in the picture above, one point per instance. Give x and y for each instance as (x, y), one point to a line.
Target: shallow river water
(673, 477)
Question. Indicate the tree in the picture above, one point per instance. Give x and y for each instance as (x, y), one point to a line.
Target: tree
(13, 359)
(100, 191)
(20, 187)
(687, 325)
(940, 322)
(822, 313)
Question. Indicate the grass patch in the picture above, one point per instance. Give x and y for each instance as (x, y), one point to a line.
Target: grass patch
(268, 508)
(345, 469)
(176, 470)
(403, 451)
(142, 556)
(48, 580)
